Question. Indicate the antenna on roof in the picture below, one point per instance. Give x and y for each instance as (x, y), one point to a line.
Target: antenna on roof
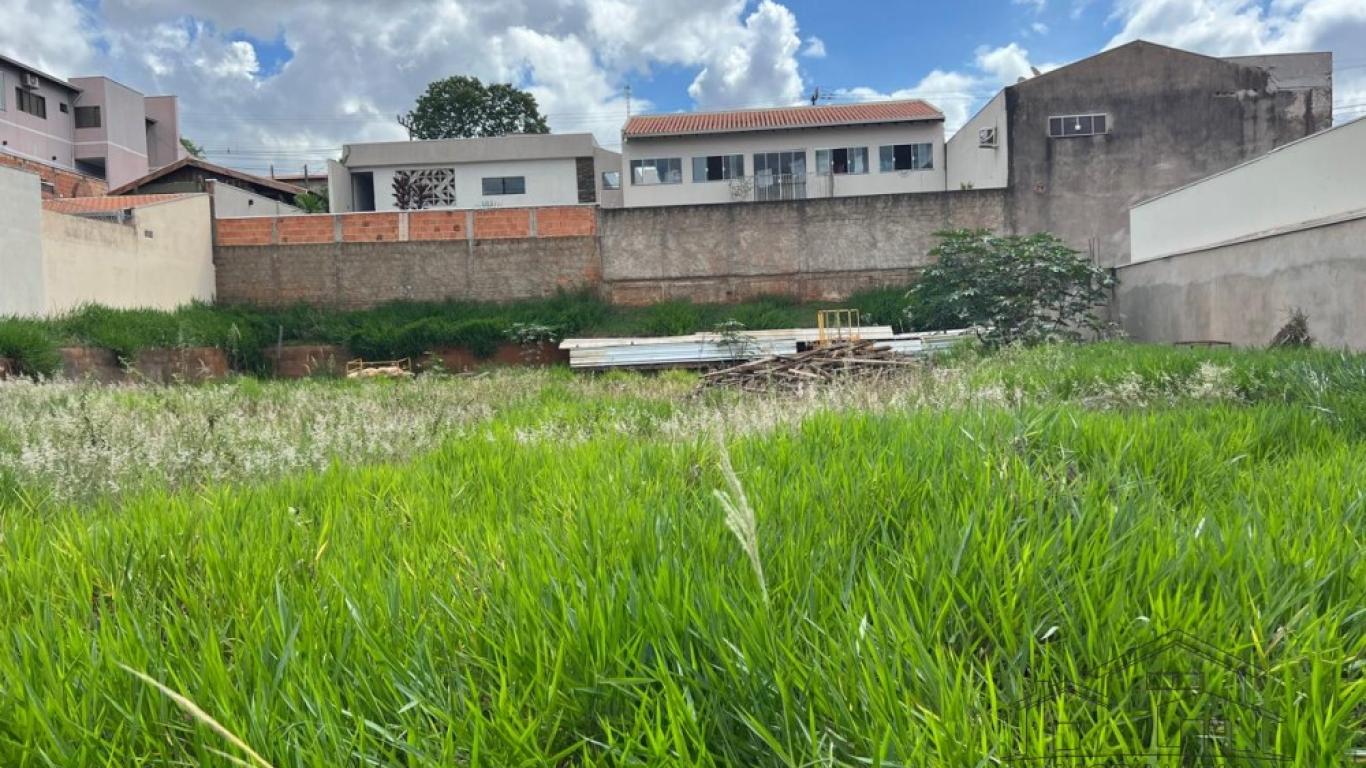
(817, 96)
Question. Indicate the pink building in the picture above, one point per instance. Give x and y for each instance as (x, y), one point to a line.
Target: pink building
(90, 125)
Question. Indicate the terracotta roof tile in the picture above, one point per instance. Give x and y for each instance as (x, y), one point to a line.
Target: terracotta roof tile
(77, 205)
(684, 123)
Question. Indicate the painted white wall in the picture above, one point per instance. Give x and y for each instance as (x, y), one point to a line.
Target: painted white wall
(33, 137)
(548, 182)
(21, 249)
(162, 260)
(231, 202)
(972, 166)
(807, 140)
(1314, 179)
(338, 188)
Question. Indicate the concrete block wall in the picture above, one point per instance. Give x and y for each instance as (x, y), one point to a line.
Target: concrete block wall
(809, 249)
(364, 259)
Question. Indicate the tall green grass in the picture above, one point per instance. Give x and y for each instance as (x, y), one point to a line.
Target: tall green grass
(398, 329)
(537, 595)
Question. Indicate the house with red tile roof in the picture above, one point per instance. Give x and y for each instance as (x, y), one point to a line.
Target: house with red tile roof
(783, 153)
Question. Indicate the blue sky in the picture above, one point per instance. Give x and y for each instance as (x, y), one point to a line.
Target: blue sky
(285, 82)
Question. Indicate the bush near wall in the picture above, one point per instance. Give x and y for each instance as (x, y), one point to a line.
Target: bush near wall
(400, 329)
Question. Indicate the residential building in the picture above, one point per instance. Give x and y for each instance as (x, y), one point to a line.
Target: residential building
(784, 153)
(89, 125)
(1228, 257)
(1078, 146)
(494, 172)
(234, 193)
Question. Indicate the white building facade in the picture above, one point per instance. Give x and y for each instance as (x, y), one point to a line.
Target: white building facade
(497, 172)
(787, 153)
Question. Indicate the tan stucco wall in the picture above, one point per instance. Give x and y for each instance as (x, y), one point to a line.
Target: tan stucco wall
(21, 249)
(162, 259)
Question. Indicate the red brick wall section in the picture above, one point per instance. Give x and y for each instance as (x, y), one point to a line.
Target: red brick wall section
(566, 222)
(254, 231)
(499, 224)
(305, 229)
(369, 227)
(65, 183)
(436, 225)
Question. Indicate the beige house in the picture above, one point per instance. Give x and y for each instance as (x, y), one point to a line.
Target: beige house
(784, 153)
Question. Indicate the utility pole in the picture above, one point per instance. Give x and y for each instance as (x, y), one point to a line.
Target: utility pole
(628, 102)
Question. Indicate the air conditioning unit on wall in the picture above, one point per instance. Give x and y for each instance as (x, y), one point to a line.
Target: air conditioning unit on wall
(30, 80)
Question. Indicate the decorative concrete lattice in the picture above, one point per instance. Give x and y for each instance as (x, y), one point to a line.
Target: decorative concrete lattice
(441, 181)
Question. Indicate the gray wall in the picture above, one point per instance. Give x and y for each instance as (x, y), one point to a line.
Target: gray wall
(357, 275)
(1175, 117)
(1240, 293)
(811, 249)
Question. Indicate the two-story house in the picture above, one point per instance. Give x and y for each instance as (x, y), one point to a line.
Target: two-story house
(783, 153)
(88, 125)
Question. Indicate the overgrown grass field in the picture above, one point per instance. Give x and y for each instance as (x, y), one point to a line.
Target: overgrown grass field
(534, 568)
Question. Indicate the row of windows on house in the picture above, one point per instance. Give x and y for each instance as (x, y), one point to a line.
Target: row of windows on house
(770, 167)
(34, 104)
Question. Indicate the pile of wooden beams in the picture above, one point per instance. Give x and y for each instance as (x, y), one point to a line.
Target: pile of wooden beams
(817, 366)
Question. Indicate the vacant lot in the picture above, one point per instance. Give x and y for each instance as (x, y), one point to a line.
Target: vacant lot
(532, 568)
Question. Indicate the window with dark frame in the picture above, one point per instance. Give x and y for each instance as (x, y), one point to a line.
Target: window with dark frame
(718, 168)
(504, 185)
(30, 102)
(906, 157)
(87, 117)
(842, 161)
(1070, 126)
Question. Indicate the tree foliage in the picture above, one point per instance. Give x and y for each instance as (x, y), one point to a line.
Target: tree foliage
(411, 193)
(310, 202)
(1026, 288)
(191, 148)
(463, 107)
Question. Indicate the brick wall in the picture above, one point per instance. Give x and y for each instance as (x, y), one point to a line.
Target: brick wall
(63, 183)
(810, 249)
(502, 223)
(409, 226)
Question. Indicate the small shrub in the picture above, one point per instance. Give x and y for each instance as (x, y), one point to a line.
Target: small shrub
(883, 306)
(30, 345)
(1029, 288)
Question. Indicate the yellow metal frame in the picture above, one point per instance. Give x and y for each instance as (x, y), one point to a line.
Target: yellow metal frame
(838, 325)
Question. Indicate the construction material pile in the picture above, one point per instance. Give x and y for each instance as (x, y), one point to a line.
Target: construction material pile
(821, 365)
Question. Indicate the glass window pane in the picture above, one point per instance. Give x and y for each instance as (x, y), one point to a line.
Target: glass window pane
(822, 161)
(514, 185)
(858, 160)
(1055, 126)
(492, 186)
(737, 166)
(884, 159)
(1098, 124)
(699, 169)
(798, 163)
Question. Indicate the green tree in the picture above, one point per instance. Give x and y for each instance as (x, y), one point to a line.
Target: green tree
(192, 148)
(462, 107)
(310, 202)
(1027, 288)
